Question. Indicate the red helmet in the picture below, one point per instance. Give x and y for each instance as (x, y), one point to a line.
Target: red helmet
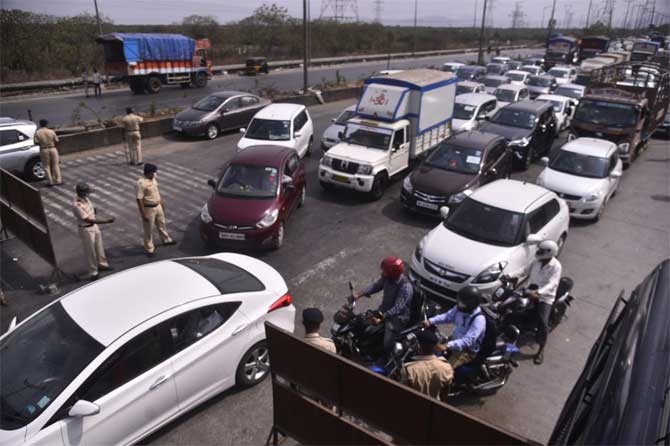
(392, 268)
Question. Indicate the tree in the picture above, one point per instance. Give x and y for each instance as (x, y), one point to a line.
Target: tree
(200, 26)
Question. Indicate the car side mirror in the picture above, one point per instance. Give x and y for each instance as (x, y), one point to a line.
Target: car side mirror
(332, 120)
(287, 182)
(212, 183)
(340, 136)
(243, 130)
(487, 118)
(533, 239)
(444, 213)
(615, 174)
(544, 160)
(83, 408)
(297, 134)
(492, 171)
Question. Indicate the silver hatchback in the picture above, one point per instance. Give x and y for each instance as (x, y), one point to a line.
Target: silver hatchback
(18, 152)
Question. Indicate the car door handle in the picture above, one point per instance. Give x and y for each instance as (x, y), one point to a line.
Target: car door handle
(239, 329)
(159, 381)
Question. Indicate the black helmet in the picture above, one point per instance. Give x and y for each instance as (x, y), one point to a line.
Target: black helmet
(82, 189)
(468, 299)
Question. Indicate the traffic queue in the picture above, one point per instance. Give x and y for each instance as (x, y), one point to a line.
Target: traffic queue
(509, 284)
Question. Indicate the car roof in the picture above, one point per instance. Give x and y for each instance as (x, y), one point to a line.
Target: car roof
(6, 122)
(573, 86)
(475, 139)
(561, 67)
(498, 64)
(529, 105)
(474, 67)
(469, 83)
(496, 77)
(542, 76)
(460, 64)
(280, 111)
(262, 155)
(512, 195)
(526, 73)
(514, 87)
(590, 146)
(552, 97)
(474, 98)
(229, 94)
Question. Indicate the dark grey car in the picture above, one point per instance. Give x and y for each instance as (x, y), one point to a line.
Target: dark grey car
(224, 110)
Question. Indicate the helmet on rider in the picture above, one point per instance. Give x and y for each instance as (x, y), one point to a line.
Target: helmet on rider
(468, 299)
(392, 268)
(546, 250)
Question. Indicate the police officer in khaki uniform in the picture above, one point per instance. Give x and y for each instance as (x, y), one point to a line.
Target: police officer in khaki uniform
(89, 232)
(311, 320)
(131, 122)
(47, 140)
(428, 374)
(152, 209)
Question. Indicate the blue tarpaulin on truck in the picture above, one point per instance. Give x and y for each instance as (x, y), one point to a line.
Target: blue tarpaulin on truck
(139, 47)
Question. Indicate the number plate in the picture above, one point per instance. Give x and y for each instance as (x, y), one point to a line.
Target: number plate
(442, 283)
(341, 179)
(230, 236)
(423, 204)
(177, 129)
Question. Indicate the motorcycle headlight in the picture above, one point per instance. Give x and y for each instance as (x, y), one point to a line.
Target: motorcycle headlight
(335, 328)
(407, 185)
(623, 147)
(364, 169)
(397, 349)
(457, 198)
(204, 214)
(327, 161)
(269, 219)
(491, 273)
(571, 136)
(523, 142)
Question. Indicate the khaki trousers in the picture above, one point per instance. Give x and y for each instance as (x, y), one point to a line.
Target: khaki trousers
(91, 239)
(51, 165)
(457, 359)
(135, 146)
(156, 217)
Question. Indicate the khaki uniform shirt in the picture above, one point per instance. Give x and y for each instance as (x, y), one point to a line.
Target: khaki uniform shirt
(132, 122)
(45, 138)
(429, 375)
(321, 342)
(83, 210)
(147, 191)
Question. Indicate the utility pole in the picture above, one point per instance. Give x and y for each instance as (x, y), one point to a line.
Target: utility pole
(625, 19)
(474, 19)
(480, 55)
(305, 23)
(588, 14)
(97, 17)
(416, 11)
(551, 20)
(610, 5)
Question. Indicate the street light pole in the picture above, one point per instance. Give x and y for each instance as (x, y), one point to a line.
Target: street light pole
(480, 55)
(305, 19)
(551, 20)
(588, 14)
(97, 17)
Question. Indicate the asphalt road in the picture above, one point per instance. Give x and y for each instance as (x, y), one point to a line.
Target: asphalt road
(338, 237)
(63, 109)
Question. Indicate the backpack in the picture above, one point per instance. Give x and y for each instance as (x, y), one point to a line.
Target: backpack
(491, 333)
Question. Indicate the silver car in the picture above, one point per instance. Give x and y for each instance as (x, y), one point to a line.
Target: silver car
(18, 152)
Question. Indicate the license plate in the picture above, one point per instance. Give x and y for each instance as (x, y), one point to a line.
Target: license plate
(440, 282)
(341, 179)
(231, 236)
(178, 129)
(423, 204)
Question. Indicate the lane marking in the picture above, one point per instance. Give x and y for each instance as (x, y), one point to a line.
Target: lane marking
(319, 268)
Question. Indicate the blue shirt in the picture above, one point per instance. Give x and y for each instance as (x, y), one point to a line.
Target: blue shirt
(397, 297)
(468, 333)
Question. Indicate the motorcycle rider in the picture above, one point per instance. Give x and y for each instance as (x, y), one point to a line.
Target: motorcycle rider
(468, 335)
(545, 275)
(427, 373)
(395, 307)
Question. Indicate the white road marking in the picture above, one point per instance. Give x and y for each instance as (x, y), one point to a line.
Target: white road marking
(319, 268)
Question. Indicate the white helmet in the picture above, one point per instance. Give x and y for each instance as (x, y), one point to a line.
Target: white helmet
(546, 250)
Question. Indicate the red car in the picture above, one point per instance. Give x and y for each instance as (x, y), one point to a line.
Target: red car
(252, 201)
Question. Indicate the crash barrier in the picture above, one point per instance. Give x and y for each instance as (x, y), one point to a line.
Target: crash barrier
(322, 398)
(22, 214)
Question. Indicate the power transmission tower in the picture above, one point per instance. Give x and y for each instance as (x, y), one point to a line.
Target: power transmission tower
(339, 10)
(517, 16)
(377, 5)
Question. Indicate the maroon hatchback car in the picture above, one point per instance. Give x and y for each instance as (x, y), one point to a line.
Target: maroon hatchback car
(254, 198)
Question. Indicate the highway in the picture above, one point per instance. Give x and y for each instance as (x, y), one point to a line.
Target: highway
(66, 109)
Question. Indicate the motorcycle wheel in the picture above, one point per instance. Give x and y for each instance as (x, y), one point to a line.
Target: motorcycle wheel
(556, 316)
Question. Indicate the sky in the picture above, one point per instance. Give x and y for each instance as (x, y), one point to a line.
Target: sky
(393, 12)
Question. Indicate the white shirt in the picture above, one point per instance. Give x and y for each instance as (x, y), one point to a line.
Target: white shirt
(546, 278)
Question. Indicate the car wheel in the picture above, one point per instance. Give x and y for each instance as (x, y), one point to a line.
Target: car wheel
(309, 146)
(212, 131)
(561, 243)
(600, 212)
(34, 170)
(327, 187)
(278, 238)
(378, 187)
(303, 194)
(254, 366)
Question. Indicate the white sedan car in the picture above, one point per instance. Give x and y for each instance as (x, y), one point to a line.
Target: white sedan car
(115, 360)
(585, 172)
(496, 228)
(564, 109)
(331, 134)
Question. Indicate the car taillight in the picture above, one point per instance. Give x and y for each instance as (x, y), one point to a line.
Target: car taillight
(283, 301)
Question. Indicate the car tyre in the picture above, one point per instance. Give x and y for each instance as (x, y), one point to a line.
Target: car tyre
(378, 187)
(303, 194)
(254, 366)
(212, 131)
(561, 243)
(278, 238)
(34, 170)
(327, 187)
(309, 146)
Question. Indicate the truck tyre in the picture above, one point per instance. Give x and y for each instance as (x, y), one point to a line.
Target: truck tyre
(153, 85)
(378, 187)
(201, 80)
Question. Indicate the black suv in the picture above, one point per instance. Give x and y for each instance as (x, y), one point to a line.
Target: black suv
(529, 126)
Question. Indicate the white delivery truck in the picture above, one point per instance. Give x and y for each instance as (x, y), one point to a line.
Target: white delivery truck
(398, 118)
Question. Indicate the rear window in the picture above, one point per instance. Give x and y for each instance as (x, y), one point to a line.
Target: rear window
(226, 277)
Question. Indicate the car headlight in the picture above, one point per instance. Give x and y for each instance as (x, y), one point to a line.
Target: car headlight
(624, 147)
(327, 161)
(407, 185)
(269, 219)
(364, 169)
(457, 198)
(418, 252)
(571, 136)
(592, 197)
(491, 273)
(523, 142)
(204, 214)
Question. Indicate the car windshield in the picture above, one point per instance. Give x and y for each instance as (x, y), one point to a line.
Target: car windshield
(269, 129)
(463, 111)
(462, 89)
(558, 73)
(492, 82)
(528, 69)
(557, 105)
(569, 92)
(486, 224)
(580, 164)
(465, 73)
(241, 180)
(210, 103)
(365, 136)
(504, 95)
(517, 77)
(537, 81)
(606, 113)
(494, 69)
(514, 118)
(344, 117)
(455, 159)
(39, 359)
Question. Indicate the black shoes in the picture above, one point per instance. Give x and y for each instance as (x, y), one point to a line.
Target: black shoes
(539, 358)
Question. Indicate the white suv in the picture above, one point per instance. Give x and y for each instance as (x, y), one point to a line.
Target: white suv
(497, 227)
(18, 152)
(286, 125)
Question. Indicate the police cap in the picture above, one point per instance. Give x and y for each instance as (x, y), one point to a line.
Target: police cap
(427, 337)
(312, 315)
(150, 168)
(83, 188)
